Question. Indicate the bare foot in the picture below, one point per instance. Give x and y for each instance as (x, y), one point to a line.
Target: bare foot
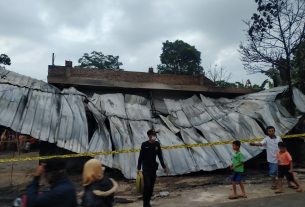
(292, 187)
(232, 197)
(300, 190)
(278, 191)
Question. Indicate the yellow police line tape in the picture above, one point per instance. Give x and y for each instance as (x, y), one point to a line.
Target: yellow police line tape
(92, 154)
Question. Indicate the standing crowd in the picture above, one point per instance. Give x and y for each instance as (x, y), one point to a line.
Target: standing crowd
(99, 190)
(279, 161)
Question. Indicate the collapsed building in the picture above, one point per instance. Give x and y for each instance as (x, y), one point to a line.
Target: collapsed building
(89, 110)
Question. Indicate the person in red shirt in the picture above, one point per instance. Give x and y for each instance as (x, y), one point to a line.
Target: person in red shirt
(285, 168)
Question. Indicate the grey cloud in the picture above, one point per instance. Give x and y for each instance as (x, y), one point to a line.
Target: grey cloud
(19, 20)
(132, 29)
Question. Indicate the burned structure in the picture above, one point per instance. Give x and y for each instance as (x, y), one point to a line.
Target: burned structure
(85, 110)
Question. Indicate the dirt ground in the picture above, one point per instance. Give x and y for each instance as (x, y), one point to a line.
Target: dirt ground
(202, 190)
(16, 173)
(197, 189)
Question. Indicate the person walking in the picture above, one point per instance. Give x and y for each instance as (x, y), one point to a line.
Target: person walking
(62, 192)
(147, 162)
(238, 169)
(270, 142)
(285, 169)
(99, 189)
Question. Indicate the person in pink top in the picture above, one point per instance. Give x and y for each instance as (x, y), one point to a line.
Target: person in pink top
(285, 168)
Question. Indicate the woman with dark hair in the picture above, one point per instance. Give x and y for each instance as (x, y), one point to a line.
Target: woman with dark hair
(62, 192)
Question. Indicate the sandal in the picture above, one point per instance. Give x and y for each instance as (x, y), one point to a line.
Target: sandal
(292, 187)
(243, 196)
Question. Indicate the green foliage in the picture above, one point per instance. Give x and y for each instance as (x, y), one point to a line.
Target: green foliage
(180, 58)
(274, 74)
(99, 60)
(221, 78)
(298, 74)
(225, 84)
(5, 60)
(274, 31)
(240, 85)
(262, 21)
(255, 86)
(266, 82)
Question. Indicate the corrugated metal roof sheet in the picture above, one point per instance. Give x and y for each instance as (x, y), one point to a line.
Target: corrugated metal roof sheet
(299, 99)
(12, 78)
(36, 108)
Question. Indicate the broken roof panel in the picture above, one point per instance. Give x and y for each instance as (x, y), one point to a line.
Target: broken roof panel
(101, 142)
(201, 155)
(169, 124)
(299, 99)
(177, 116)
(178, 161)
(137, 107)
(70, 134)
(38, 109)
(110, 104)
(122, 139)
(265, 95)
(195, 111)
(12, 78)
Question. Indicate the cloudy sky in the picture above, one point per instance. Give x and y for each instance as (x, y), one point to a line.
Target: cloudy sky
(30, 31)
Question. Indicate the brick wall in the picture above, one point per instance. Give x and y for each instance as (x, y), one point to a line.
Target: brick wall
(126, 76)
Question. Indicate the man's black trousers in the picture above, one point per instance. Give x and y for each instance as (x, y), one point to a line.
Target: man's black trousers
(149, 182)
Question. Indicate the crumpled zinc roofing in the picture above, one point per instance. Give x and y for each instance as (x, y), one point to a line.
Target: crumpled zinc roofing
(36, 108)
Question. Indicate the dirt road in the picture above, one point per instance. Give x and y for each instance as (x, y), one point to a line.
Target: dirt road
(290, 200)
(209, 195)
(199, 189)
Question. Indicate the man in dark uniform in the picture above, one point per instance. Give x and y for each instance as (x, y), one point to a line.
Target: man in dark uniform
(147, 160)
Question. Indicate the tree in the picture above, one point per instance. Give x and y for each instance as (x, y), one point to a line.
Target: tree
(217, 74)
(274, 74)
(99, 60)
(5, 60)
(225, 84)
(180, 58)
(221, 78)
(298, 74)
(274, 31)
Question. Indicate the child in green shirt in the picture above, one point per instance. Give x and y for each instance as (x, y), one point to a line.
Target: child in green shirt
(238, 169)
